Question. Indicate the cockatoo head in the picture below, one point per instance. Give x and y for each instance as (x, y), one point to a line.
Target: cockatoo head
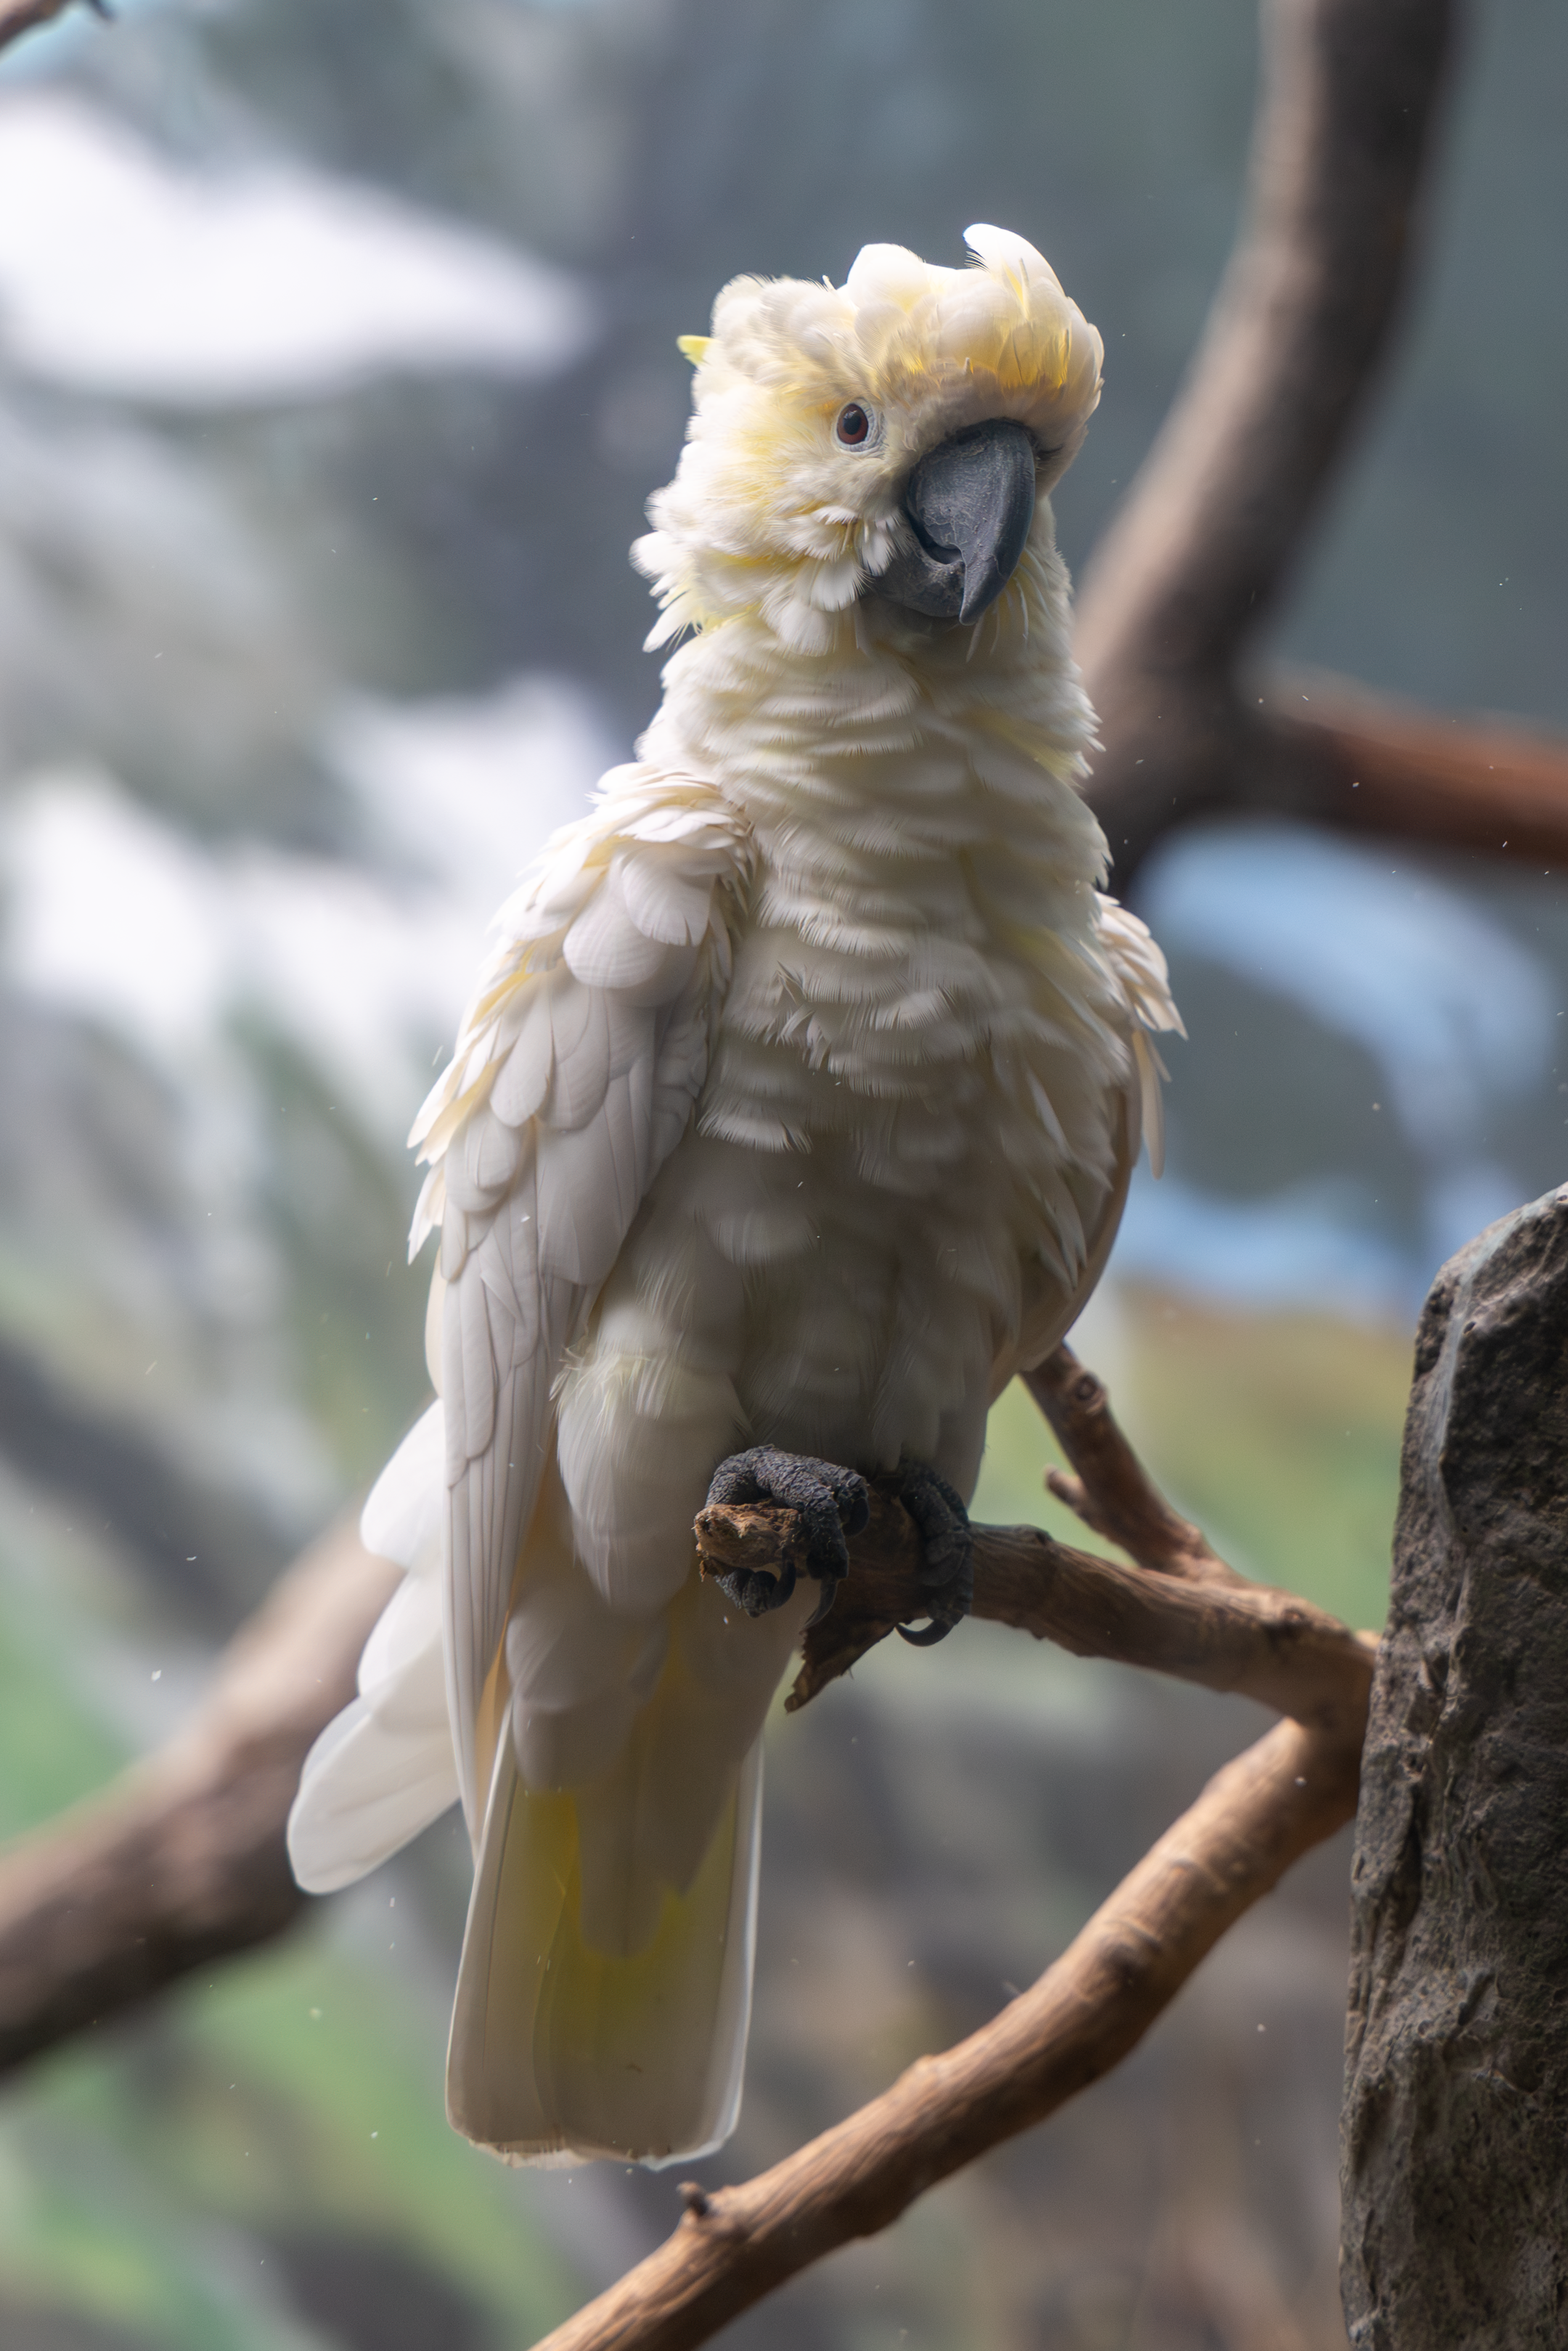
(886, 438)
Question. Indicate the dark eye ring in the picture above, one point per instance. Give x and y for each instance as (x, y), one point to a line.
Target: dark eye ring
(853, 427)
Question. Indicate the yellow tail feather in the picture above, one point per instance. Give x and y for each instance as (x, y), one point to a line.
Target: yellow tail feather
(561, 2051)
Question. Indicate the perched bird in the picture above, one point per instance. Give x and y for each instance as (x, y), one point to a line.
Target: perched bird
(793, 1115)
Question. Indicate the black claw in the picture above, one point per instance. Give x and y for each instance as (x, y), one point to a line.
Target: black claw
(947, 1565)
(928, 1635)
(824, 1605)
(754, 1592)
(833, 1503)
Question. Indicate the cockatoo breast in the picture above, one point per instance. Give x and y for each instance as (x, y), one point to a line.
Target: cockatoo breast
(914, 1100)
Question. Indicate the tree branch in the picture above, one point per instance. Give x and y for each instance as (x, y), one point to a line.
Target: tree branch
(1180, 1610)
(181, 1861)
(1325, 749)
(734, 2245)
(1110, 1490)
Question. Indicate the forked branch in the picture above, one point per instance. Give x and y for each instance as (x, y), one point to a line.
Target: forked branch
(1177, 1610)
(1108, 1487)
(1217, 522)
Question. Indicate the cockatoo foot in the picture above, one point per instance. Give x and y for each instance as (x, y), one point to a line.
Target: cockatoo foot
(948, 1543)
(833, 1503)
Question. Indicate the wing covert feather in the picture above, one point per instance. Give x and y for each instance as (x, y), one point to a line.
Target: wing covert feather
(1072, 1257)
(575, 1075)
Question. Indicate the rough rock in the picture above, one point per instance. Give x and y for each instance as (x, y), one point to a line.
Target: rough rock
(1455, 2127)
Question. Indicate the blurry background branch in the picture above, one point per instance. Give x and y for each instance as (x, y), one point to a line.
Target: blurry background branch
(181, 1861)
(1213, 531)
(19, 16)
(200, 1543)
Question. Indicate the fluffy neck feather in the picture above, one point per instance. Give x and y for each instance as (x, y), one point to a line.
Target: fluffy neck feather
(898, 742)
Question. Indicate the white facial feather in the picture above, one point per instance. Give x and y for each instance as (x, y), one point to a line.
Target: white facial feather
(770, 510)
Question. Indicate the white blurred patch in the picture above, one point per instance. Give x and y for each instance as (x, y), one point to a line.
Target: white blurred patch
(456, 786)
(115, 915)
(124, 273)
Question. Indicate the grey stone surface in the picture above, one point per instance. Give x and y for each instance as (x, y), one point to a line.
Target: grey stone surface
(1455, 2134)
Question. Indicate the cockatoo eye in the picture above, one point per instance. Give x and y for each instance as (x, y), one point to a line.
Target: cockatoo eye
(855, 426)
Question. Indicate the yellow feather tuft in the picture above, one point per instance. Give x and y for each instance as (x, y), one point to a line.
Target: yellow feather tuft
(558, 2046)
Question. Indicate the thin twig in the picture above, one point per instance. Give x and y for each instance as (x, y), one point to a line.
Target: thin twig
(733, 2245)
(1110, 1490)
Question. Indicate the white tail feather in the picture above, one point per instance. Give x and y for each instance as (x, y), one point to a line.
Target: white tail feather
(559, 2048)
(605, 1984)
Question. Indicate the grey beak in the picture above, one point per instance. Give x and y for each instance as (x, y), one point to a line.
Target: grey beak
(970, 504)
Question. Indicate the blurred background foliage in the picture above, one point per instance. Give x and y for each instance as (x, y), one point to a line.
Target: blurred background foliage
(336, 361)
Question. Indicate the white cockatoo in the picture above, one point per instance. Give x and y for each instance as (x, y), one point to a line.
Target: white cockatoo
(793, 1115)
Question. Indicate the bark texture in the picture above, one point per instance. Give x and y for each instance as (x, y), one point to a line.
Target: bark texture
(1455, 2118)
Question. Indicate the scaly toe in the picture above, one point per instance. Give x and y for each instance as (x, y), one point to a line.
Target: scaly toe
(832, 1502)
(948, 1569)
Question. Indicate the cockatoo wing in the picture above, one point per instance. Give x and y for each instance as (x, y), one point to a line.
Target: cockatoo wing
(1140, 967)
(1058, 1288)
(383, 1769)
(574, 1077)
